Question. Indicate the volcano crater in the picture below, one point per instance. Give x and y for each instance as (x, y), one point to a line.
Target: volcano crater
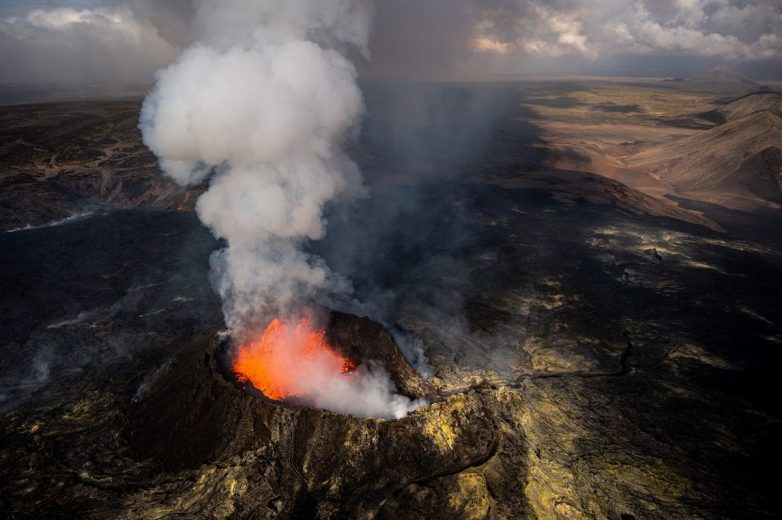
(225, 414)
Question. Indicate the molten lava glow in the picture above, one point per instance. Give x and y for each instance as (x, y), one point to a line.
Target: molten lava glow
(289, 359)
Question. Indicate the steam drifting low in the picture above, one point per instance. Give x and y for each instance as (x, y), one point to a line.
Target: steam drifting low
(261, 104)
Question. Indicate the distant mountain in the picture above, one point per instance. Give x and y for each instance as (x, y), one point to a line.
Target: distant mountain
(721, 76)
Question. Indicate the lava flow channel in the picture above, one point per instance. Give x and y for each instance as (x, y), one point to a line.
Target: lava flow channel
(290, 359)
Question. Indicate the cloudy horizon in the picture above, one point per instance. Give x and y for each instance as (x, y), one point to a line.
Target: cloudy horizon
(126, 41)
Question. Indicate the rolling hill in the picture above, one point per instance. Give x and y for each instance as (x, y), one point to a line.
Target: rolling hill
(741, 158)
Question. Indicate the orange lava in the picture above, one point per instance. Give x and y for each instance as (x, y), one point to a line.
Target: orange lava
(288, 359)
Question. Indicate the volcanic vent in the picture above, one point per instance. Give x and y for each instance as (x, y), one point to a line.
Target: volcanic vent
(341, 362)
(289, 359)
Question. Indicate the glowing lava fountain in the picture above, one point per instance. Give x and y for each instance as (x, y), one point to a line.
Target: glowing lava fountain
(290, 359)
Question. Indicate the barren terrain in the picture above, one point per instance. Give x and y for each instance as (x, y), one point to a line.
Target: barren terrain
(662, 141)
(595, 287)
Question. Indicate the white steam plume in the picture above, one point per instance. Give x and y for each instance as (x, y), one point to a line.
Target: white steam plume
(262, 102)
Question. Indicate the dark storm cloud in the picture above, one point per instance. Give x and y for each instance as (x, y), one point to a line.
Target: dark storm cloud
(412, 39)
(80, 45)
(172, 19)
(478, 38)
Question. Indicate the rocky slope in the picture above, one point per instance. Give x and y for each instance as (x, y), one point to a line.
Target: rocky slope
(752, 103)
(740, 158)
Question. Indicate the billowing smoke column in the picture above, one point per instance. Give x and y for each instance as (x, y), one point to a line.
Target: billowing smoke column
(261, 103)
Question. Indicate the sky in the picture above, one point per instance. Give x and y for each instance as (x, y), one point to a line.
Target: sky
(126, 41)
